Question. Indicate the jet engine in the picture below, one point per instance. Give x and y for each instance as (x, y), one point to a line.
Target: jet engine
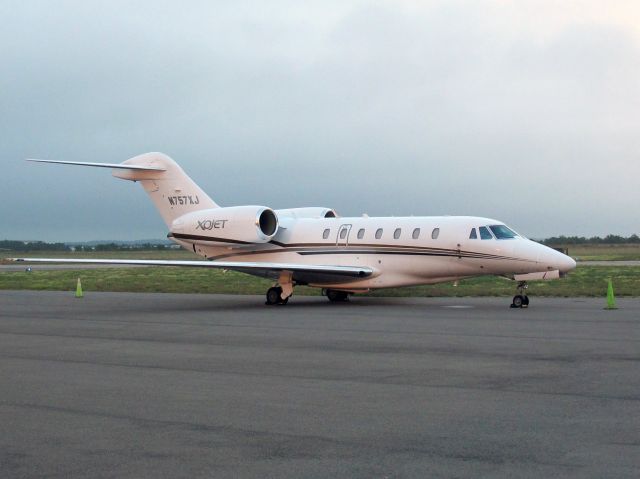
(311, 212)
(232, 225)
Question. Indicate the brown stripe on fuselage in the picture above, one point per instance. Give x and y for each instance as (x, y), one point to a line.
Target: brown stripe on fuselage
(358, 248)
(328, 249)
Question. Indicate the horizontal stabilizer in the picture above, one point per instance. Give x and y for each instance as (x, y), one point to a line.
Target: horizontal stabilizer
(119, 166)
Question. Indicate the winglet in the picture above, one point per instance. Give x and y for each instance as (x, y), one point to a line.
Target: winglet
(118, 166)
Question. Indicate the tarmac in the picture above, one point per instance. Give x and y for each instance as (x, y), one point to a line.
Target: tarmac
(183, 386)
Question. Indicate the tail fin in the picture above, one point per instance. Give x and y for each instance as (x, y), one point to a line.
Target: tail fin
(171, 190)
(168, 186)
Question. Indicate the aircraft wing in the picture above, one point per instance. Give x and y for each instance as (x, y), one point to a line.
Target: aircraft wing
(302, 273)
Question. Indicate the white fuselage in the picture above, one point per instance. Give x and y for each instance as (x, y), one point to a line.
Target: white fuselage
(312, 246)
(408, 250)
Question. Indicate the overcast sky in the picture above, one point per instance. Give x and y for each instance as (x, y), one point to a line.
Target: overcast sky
(525, 111)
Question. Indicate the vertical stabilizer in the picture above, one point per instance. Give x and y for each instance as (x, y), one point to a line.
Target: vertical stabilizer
(170, 189)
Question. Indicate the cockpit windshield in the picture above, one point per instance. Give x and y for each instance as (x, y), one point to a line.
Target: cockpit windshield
(502, 232)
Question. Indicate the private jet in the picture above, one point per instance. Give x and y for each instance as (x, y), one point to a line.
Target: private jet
(314, 246)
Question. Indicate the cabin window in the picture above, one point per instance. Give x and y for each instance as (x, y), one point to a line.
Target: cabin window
(502, 232)
(435, 233)
(379, 233)
(361, 233)
(473, 234)
(484, 233)
(343, 233)
(416, 233)
(325, 234)
(396, 233)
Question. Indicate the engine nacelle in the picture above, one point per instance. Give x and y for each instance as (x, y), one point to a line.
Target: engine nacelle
(311, 212)
(235, 224)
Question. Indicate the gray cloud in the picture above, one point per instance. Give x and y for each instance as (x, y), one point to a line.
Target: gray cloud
(364, 107)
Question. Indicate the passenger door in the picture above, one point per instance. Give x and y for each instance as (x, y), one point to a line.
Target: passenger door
(342, 238)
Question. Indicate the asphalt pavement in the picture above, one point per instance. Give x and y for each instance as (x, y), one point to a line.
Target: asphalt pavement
(184, 386)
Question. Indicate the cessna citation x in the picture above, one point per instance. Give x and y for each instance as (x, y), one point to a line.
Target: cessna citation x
(316, 247)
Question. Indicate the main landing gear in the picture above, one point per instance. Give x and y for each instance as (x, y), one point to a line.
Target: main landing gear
(281, 293)
(336, 296)
(274, 296)
(521, 300)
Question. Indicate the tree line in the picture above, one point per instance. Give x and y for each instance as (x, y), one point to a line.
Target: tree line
(16, 245)
(609, 239)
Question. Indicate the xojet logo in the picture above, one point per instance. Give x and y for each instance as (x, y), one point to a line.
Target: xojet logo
(211, 224)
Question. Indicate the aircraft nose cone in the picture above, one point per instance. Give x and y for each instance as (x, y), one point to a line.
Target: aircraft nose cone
(562, 262)
(553, 259)
(567, 264)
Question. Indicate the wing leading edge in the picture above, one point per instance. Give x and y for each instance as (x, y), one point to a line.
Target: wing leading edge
(301, 272)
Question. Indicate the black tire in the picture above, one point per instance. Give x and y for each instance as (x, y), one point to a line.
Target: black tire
(517, 301)
(337, 296)
(525, 301)
(273, 295)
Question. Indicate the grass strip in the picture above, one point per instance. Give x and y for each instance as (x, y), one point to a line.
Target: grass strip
(585, 281)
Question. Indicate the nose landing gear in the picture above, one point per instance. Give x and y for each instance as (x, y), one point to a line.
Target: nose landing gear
(521, 300)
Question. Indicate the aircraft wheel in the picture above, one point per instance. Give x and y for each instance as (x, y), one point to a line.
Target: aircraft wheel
(273, 296)
(518, 301)
(525, 301)
(336, 296)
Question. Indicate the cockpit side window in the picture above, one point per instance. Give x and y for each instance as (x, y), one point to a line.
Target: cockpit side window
(484, 233)
(473, 234)
(502, 232)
